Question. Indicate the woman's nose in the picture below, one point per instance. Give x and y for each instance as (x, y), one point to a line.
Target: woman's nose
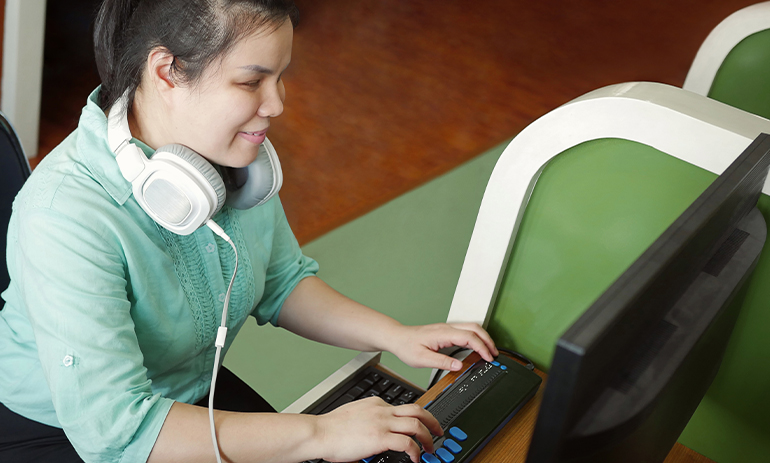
(272, 105)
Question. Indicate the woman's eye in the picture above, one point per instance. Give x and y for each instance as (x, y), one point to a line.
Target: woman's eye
(253, 84)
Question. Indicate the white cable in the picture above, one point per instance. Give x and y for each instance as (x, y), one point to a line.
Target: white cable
(221, 336)
(211, 407)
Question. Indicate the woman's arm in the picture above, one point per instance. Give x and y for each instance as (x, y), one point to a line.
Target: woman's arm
(186, 436)
(316, 311)
(354, 431)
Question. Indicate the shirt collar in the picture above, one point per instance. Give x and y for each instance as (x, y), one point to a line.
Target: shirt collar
(97, 155)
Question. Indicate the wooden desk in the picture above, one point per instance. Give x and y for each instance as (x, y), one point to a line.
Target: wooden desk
(510, 445)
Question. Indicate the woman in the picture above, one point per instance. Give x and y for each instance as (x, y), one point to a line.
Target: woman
(108, 333)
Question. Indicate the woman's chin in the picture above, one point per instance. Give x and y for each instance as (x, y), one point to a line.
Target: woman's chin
(238, 162)
(235, 158)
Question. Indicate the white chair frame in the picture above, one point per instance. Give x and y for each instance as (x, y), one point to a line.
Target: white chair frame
(688, 126)
(721, 41)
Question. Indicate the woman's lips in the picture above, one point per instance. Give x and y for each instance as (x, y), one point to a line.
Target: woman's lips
(254, 137)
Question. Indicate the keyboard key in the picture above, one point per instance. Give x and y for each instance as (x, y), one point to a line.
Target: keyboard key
(457, 433)
(445, 456)
(453, 446)
(407, 396)
(383, 385)
(365, 383)
(370, 393)
(497, 364)
(356, 392)
(429, 458)
(394, 391)
(503, 367)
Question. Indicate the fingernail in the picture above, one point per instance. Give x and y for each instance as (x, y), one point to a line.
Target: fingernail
(456, 365)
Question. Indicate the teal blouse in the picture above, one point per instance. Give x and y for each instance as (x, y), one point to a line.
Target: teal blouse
(110, 318)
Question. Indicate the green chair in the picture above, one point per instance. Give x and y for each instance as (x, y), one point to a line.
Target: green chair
(576, 197)
(733, 63)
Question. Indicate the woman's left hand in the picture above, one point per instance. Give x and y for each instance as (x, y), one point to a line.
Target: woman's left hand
(418, 346)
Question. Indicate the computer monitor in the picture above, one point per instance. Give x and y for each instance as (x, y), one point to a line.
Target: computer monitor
(627, 376)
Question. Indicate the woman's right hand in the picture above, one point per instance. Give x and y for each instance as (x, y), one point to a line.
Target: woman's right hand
(370, 426)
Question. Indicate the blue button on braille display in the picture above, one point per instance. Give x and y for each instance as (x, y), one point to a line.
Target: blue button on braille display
(368, 459)
(457, 433)
(453, 446)
(503, 367)
(445, 456)
(497, 364)
(429, 458)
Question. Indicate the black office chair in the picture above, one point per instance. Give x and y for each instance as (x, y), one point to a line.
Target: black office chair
(14, 170)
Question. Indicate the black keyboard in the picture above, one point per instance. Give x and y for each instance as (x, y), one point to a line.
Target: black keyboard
(371, 382)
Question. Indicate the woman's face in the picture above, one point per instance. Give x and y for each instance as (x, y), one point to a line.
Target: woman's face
(226, 115)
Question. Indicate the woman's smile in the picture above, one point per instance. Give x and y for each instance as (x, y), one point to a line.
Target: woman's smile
(254, 137)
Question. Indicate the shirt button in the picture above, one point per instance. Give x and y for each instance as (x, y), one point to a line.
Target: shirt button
(211, 247)
(222, 297)
(68, 361)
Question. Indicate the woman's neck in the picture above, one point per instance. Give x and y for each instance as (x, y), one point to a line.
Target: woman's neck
(146, 121)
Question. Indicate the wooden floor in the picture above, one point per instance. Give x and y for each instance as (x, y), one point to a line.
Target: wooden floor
(385, 95)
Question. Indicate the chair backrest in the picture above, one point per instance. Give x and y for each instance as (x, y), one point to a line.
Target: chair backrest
(14, 170)
(733, 62)
(582, 192)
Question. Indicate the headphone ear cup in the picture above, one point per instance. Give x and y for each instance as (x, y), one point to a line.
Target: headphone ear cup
(200, 164)
(256, 183)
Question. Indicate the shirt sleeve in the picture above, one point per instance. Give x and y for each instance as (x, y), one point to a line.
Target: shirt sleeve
(74, 287)
(287, 267)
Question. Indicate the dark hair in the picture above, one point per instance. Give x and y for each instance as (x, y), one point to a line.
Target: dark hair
(195, 32)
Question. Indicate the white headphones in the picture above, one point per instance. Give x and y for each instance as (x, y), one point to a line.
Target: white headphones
(179, 188)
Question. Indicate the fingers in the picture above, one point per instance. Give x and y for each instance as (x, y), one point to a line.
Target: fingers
(413, 420)
(441, 361)
(416, 411)
(403, 443)
(370, 426)
(418, 345)
(481, 333)
(413, 427)
(470, 339)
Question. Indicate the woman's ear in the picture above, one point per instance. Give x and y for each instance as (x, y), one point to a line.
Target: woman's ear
(159, 63)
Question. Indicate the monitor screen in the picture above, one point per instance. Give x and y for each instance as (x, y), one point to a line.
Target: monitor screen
(627, 376)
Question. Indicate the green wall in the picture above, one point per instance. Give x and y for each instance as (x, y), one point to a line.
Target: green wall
(403, 259)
